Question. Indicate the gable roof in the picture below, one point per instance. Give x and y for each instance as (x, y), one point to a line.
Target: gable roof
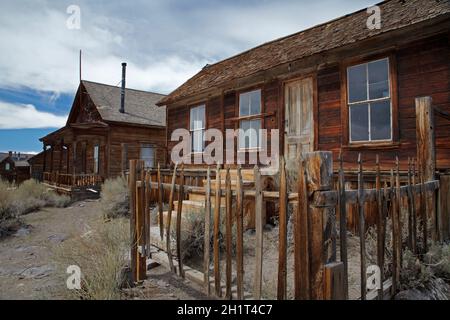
(343, 31)
(3, 156)
(140, 106)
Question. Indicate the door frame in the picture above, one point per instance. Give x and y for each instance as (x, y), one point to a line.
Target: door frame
(315, 108)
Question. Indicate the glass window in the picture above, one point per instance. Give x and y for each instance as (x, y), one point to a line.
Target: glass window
(7, 166)
(197, 128)
(148, 155)
(250, 105)
(369, 101)
(96, 158)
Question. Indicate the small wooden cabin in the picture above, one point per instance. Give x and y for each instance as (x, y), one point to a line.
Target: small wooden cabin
(339, 86)
(14, 167)
(99, 140)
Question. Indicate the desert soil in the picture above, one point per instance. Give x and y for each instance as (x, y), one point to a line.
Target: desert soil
(28, 269)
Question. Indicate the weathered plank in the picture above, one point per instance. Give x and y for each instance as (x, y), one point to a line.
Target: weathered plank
(216, 246)
(169, 220)
(380, 226)
(207, 247)
(160, 203)
(133, 233)
(240, 235)
(343, 224)
(362, 229)
(259, 235)
(282, 247)
(178, 230)
(333, 281)
(228, 234)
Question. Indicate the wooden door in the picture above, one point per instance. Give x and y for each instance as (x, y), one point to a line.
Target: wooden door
(298, 130)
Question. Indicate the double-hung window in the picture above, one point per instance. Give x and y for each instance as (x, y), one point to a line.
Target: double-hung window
(148, 155)
(96, 159)
(197, 128)
(369, 102)
(250, 105)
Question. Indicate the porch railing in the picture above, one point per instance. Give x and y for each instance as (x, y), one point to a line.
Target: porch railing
(70, 180)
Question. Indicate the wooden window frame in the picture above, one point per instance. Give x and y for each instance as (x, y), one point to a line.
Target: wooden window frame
(261, 116)
(190, 107)
(393, 87)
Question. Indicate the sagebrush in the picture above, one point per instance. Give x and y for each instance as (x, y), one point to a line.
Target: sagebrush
(114, 198)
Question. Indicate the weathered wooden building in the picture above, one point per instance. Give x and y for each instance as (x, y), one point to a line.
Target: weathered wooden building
(14, 167)
(99, 138)
(343, 86)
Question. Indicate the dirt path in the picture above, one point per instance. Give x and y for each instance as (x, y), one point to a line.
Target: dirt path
(28, 271)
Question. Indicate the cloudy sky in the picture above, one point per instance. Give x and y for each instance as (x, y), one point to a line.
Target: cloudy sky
(164, 43)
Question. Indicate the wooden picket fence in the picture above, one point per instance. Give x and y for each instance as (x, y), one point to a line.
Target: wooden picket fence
(320, 209)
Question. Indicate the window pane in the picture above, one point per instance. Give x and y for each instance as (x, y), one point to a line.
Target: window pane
(198, 117)
(244, 103)
(359, 122)
(148, 155)
(255, 133)
(197, 141)
(380, 120)
(378, 79)
(255, 102)
(357, 83)
(244, 140)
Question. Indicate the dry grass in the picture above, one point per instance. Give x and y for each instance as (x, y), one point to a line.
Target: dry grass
(114, 198)
(102, 257)
(27, 197)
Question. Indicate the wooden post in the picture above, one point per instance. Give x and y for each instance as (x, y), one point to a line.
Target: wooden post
(160, 203)
(426, 154)
(423, 212)
(207, 249)
(228, 233)
(444, 207)
(397, 227)
(217, 284)
(319, 178)
(380, 226)
(179, 211)
(240, 235)
(410, 208)
(301, 239)
(140, 225)
(333, 280)
(414, 208)
(282, 246)
(362, 229)
(132, 191)
(343, 224)
(169, 219)
(147, 212)
(259, 234)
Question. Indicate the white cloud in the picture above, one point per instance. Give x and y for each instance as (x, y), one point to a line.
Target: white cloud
(26, 116)
(164, 41)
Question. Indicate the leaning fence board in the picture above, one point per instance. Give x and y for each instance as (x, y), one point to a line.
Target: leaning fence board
(259, 235)
(147, 213)
(228, 233)
(216, 246)
(207, 249)
(343, 224)
(178, 230)
(169, 219)
(160, 203)
(301, 240)
(362, 230)
(282, 247)
(133, 234)
(240, 235)
(380, 226)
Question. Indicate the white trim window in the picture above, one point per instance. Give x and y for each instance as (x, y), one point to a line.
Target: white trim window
(369, 102)
(148, 155)
(250, 133)
(96, 159)
(197, 128)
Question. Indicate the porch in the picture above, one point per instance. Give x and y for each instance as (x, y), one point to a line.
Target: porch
(72, 180)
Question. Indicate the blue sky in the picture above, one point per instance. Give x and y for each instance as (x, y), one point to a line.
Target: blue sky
(164, 43)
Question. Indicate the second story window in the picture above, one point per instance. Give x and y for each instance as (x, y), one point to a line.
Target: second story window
(369, 102)
(249, 109)
(197, 128)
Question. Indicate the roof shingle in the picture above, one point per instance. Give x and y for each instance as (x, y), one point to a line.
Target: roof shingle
(343, 31)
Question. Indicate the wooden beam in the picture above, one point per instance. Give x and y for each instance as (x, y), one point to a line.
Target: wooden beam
(207, 250)
(257, 288)
(216, 240)
(132, 191)
(282, 246)
(240, 235)
(228, 233)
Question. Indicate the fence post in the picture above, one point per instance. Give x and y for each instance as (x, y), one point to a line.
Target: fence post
(140, 225)
(319, 177)
(133, 235)
(426, 154)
